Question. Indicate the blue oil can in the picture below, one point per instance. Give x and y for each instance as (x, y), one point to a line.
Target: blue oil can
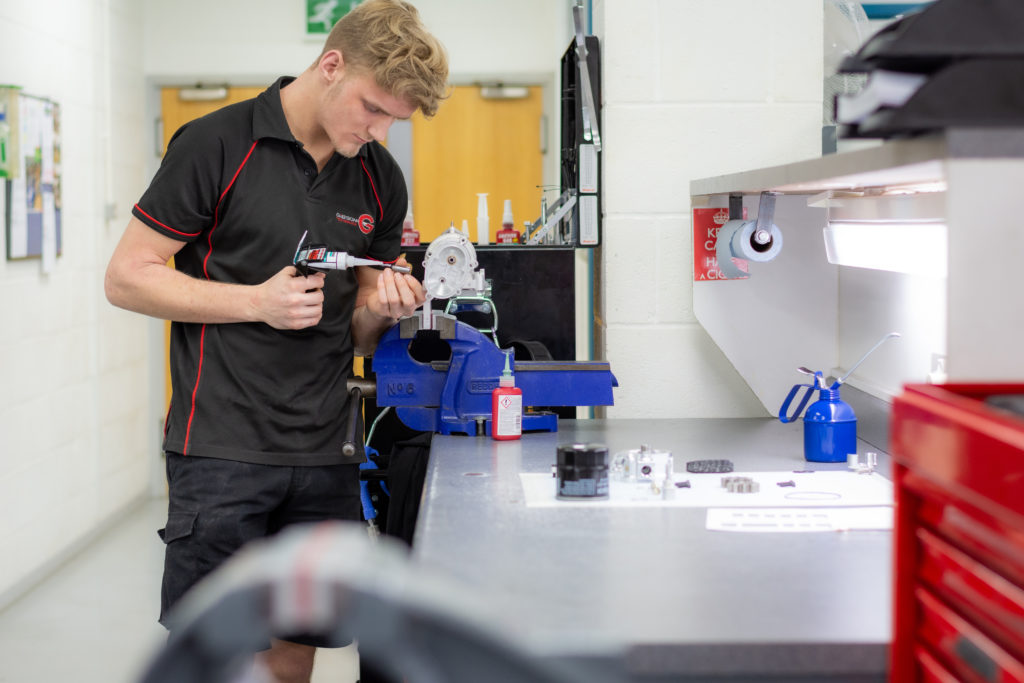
(830, 425)
(830, 428)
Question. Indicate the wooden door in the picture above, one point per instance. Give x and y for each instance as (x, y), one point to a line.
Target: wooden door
(472, 145)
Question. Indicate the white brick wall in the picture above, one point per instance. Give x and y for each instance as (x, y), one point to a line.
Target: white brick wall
(74, 398)
(692, 88)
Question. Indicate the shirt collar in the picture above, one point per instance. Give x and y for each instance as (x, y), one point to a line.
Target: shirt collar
(268, 119)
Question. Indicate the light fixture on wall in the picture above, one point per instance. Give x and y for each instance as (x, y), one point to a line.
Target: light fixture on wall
(500, 91)
(918, 247)
(202, 92)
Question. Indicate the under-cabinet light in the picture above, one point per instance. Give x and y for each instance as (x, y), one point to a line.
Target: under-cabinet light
(903, 247)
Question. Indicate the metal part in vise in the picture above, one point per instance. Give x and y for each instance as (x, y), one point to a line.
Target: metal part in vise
(450, 270)
(450, 266)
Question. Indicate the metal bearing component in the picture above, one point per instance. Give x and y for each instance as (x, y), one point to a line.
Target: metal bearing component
(740, 485)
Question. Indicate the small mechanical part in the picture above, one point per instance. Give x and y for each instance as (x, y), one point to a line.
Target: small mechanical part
(582, 472)
(645, 464)
(862, 465)
(683, 484)
(450, 266)
(787, 483)
(637, 465)
(709, 466)
(668, 489)
(622, 466)
(740, 485)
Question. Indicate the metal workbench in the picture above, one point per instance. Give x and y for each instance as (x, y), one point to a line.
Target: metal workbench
(648, 593)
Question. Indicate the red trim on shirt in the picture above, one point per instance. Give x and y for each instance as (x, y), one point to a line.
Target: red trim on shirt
(202, 334)
(376, 196)
(178, 232)
(195, 389)
(216, 210)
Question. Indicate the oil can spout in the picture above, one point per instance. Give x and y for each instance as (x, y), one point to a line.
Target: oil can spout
(891, 335)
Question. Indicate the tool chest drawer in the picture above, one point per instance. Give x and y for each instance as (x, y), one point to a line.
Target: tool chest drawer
(968, 653)
(970, 588)
(958, 467)
(931, 669)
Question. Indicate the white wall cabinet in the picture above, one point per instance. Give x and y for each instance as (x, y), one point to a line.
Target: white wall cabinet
(800, 310)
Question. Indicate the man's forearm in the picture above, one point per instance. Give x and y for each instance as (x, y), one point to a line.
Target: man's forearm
(162, 292)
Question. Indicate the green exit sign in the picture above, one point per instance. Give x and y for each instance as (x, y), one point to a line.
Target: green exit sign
(322, 14)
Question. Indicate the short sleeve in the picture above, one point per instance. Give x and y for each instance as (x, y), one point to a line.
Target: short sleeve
(182, 198)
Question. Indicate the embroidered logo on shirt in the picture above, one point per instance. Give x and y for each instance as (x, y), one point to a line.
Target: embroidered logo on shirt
(364, 222)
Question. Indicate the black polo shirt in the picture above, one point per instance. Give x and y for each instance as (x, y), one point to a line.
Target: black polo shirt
(239, 190)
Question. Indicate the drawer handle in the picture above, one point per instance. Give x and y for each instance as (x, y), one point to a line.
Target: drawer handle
(973, 656)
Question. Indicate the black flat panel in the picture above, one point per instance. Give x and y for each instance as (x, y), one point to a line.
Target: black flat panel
(533, 289)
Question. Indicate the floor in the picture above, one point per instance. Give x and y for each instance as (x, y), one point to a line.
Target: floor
(94, 619)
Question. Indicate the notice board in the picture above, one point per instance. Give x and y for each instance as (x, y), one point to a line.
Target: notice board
(31, 196)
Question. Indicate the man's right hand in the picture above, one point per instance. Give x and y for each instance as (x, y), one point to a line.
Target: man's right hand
(289, 301)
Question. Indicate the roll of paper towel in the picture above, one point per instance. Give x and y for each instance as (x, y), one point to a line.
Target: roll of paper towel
(735, 240)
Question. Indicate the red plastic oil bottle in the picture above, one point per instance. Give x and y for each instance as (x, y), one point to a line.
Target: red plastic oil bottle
(507, 407)
(508, 233)
(410, 235)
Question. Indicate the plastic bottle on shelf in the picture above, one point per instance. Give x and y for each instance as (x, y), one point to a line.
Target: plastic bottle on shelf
(410, 236)
(507, 406)
(508, 233)
(483, 230)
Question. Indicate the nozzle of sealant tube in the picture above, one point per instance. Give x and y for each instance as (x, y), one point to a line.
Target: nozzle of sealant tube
(465, 228)
(483, 231)
(507, 406)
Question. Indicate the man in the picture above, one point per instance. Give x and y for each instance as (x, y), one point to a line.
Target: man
(259, 353)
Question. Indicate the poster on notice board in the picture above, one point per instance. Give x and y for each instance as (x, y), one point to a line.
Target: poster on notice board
(32, 189)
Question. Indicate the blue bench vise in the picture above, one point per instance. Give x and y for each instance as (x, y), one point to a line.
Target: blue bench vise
(451, 394)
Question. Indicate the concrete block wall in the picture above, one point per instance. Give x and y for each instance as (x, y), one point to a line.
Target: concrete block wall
(75, 446)
(691, 89)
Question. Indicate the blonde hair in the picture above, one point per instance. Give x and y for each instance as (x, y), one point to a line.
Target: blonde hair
(387, 39)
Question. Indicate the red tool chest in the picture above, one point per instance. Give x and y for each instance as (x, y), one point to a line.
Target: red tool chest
(958, 467)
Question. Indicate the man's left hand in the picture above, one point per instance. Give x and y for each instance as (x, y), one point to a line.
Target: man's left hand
(398, 294)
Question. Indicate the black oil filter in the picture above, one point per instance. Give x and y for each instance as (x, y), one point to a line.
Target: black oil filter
(582, 472)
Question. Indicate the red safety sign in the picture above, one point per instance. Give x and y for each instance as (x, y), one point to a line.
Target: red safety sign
(706, 223)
